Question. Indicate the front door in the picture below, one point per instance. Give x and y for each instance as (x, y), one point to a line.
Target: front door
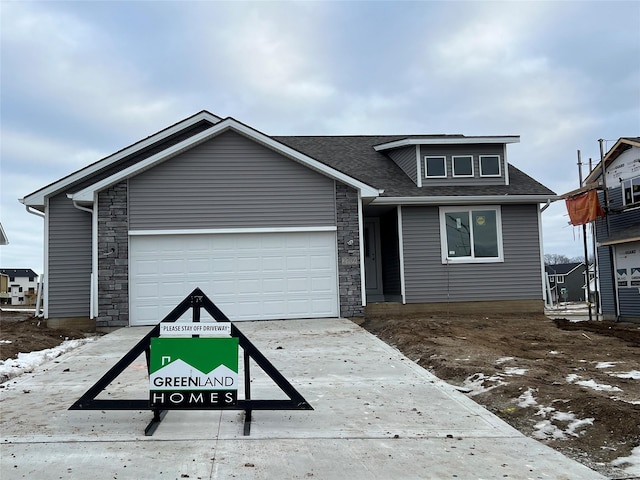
(372, 260)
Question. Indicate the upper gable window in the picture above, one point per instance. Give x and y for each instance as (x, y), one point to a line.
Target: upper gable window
(435, 167)
(463, 166)
(489, 165)
(631, 191)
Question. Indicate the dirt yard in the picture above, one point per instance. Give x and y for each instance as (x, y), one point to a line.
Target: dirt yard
(572, 385)
(575, 386)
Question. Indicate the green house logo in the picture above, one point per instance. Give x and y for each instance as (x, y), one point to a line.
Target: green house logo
(193, 372)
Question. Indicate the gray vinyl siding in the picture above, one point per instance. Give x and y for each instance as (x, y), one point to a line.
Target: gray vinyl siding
(405, 158)
(428, 280)
(449, 151)
(230, 182)
(69, 275)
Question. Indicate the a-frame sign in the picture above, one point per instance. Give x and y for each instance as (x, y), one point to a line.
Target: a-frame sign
(195, 301)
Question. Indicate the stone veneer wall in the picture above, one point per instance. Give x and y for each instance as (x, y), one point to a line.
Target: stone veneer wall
(113, 257)
(349, 286)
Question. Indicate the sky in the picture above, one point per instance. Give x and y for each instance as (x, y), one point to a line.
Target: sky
(80, 80)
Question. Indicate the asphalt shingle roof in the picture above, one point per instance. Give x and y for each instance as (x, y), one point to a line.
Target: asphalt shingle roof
(356, 157)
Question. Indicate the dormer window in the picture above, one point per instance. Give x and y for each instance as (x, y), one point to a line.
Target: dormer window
(489, 165)
(435, 167)
(463, 166)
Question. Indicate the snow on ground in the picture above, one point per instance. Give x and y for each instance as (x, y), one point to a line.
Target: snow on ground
(630, 464)
(515, 371)
(548, 428)
(573, 378)
(26, 362)
(476, 383)
(606, 364)
(633, 374)
(503, 360)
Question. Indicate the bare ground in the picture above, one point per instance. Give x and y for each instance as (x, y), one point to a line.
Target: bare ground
(587, 400)
(570, 385)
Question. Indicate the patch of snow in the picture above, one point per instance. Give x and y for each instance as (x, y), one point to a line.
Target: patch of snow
(26, 362)
(503, 360)
(630, 464)
(545, 430)
(574, 422)
(632, 402)
(515, 371)
(598, 386)
(476, 383)
(544, 411)
(572, 377)
(633, 374)
(527, 399)
(605, 364)
(5, 341)
(554, 352)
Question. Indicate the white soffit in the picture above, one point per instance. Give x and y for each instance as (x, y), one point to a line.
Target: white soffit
(404, 142)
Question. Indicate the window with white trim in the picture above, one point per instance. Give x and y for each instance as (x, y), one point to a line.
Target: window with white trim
(435, 167)
(559, 278)
(490, 166)
(471, 234)
(631, 191)
(462, 166)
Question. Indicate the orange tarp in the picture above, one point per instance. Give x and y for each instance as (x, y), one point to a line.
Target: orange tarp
(584, 208)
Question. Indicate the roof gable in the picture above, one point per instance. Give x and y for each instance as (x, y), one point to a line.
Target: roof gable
(37, 198)
(86, 195)
(622, 145)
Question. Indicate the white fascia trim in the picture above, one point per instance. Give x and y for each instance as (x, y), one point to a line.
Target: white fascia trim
(226, 231)
(465, 200)
(505, 165)
(86, 195)
(446, 141)
(38, 197)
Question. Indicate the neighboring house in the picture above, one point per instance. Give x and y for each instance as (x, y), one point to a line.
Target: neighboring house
(21, 288)
(4, 279)
(291, 227)
(618, 234)
(567, 282)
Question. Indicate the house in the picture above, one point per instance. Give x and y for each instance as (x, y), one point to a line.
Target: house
(18, 286)
(567, 282)
(618, 233)
(274, 227)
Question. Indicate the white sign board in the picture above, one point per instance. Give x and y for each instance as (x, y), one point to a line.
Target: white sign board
(207, 329)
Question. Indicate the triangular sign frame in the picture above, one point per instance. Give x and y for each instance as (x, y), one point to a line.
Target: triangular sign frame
(195, 301)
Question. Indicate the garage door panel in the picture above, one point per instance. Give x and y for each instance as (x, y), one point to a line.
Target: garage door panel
(248, 276)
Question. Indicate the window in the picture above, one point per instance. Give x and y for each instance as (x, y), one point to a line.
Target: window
(489, 165)
(471, 235)
(631, 191)
(435, 167)
(463, 166)
(12, 279)
(559, 278)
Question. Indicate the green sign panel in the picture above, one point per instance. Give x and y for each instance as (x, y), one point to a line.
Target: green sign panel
(193, 372)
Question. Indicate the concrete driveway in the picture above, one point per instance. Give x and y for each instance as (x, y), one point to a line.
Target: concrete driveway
(377, 416)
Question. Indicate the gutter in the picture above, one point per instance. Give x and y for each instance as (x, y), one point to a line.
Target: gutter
(465, 200)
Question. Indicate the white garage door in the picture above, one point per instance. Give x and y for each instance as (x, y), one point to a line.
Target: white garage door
(249, 276)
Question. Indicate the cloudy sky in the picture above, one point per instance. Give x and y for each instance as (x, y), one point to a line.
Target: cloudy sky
(81, 80)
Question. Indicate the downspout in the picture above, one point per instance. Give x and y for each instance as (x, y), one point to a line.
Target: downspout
(544, 280)
(92, 285)
(39, 314)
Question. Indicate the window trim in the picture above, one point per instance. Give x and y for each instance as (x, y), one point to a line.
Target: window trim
(444, 250)
(453, 166)
(559, 278)
(444, 162)
(499, 174)
(630, 182)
